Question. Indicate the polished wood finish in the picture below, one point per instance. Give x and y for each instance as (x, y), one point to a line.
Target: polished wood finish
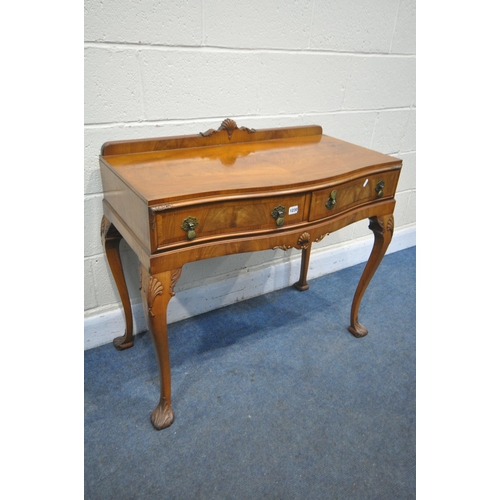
(223, 218)
(111, 241)
(207, 138)
(382, 228)
(157, 290)
(302, 284)
(231, 190)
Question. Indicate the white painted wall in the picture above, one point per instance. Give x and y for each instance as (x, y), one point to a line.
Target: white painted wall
(157, 68)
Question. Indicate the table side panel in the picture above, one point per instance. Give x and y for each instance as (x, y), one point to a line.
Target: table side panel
(132, 209)
(132, 240)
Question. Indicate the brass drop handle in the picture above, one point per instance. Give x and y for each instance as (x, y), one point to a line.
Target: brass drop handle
(379, 189)
(278, 214)
(190, 224)
(332, 201)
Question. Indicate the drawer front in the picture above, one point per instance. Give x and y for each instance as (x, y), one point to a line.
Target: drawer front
(341, 197)
(228, 218)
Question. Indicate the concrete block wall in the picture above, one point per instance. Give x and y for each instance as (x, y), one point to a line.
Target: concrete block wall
(157, 68)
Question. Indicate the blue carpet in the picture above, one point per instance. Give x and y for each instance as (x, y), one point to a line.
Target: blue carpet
(273, 399)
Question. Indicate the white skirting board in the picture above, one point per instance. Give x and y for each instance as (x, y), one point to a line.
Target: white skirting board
(103, 328)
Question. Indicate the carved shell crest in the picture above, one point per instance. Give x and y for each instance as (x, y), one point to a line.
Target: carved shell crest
(229, 126)
(155, 288)
(304, 240)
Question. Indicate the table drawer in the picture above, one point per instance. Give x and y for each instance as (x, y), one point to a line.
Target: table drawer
(228, 218)
(340, 197)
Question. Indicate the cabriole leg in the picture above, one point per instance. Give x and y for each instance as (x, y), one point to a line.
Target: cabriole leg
(157, 290)
(383, 228)
(302, 284)
(111, 241)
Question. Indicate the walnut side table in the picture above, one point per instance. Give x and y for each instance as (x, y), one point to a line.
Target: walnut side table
(231, 190)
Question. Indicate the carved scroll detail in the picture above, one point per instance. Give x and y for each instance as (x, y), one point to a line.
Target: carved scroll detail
(152, 220)
(319, 238)
(282, 247)
(161, 208)
(174, 278)
(162, 416)
(155, 288)
(229, 126)
(105, 224)
(377, 225)
(153, 211)
(390, 224)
